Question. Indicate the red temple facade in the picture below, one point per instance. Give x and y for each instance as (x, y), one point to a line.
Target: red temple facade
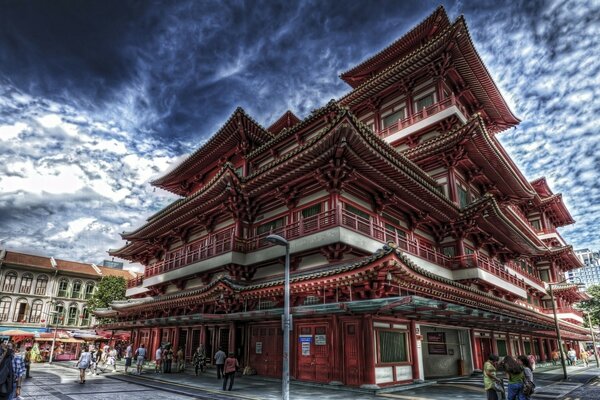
(417, 245)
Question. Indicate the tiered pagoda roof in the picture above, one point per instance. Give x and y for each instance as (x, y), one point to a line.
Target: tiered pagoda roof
(552, 203)
(286, 121)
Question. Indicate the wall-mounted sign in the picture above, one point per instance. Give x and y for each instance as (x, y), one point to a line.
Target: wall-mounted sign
(320, 340)
(436, 343)
(306, 348)
(258, 349)
(305, 338)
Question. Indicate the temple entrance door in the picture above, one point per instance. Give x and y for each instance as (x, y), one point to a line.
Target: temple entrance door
(223, 339)
(313, 353)
(182, 340)
(351, 354)
(266, 346)
(485, 347)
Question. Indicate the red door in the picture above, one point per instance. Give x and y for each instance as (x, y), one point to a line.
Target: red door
(266, 348)
(313, 344)
(486, 348)
(351, 354)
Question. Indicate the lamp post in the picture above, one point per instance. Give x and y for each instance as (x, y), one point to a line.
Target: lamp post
(593, 340)
(285, 379)
(556, 327)
(54, 336)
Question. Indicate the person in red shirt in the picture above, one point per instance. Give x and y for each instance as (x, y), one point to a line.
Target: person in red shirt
(231, 365)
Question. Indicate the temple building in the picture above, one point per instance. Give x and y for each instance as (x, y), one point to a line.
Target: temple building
(417, 245)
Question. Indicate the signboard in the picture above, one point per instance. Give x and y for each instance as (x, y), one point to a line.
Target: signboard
(436, 343)
(306, 348)
(258, 349)
(320, 340)
(305, 338)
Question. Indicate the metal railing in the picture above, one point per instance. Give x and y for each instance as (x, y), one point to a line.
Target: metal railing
(486, 264)
(422, 114)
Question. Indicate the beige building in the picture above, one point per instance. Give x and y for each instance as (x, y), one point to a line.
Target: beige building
(32, 286)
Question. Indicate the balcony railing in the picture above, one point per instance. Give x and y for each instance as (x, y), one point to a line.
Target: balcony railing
(565, 310)
(9, 288)
(40, 290)
(25, 289)
(133, 282)
(520, 270)
(421, 115)
(491, 266)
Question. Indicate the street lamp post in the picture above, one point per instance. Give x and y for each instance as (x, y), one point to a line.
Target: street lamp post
(54, 336)
(593, 340)
(560, 349)
(285, 379)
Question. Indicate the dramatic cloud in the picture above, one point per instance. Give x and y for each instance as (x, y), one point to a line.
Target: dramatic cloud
(98, 98)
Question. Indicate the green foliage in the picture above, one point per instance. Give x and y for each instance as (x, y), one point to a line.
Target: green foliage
(111, 288)
(592, 306)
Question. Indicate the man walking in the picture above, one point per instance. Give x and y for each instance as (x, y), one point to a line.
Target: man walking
(128, 356)
(158, 360)
(27, 360)
(220, 357)
(140, 355)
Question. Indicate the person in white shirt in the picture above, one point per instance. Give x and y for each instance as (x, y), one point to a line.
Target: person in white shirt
(140, 355)
(158, 360)
(220, 357)
(128, 356)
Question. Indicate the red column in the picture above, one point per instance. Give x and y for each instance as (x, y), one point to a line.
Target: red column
(494, 344)
(336, 345)
(175, 333)
(477, 364)
(231, 339)
(368, 351)
(414, 350)
(542, 350)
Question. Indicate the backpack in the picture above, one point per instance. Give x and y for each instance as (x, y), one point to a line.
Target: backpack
(6, 376)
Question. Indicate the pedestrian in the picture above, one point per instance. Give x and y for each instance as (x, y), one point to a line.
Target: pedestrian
(532, 361)
(230, 367)
(27, 360)
(529, 385)
(516, 378)
(168, 359)
(555, 356)
(220, 357)
(572, 356)
(128, 356)
(112, 359)
(140, 355)
(180, 360)
(85, 360)
(584, 355)
(7, 382)
(94, 361)
(158, 360)
(199, 359)
(490, 382)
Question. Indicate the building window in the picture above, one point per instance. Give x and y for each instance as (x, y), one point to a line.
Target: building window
(463, 196)
(469, 250)
(36, 311)
(72, 317)
(393, 118)
(21, 311)
(41, 284)
(5, 308)
(58, 315)
(76, 292)
(449, 251)
(63, 288)
(89, 290)
(312, 210)
(536, 224)
(270, 226)
(312, 300)
(424, 102)
(392, 347)
(9, 282)
(85, 320)
(26, 281)
(357, 211)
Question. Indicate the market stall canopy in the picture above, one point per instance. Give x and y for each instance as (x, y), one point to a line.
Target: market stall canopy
(16, 332)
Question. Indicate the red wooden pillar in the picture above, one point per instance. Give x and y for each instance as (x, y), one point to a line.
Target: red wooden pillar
(369, 345)
(494, 343)
(477, 364)
(175, 333)
(156, 342)
(203, 336)
(336, 340)
(509, 345)
(452, 185)
(414, 350)
(232, 338)
(542, 350)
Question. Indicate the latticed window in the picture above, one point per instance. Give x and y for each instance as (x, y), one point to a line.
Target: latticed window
(312, 210)
(424, 102)
(392, 347)
(63, 288)
(463, 196)
(76, 292)
(36, 311)
(312, 300)
(41, 284)
(85, 317)
(269, 226)
(393, 118)
(26, 281)
(266, 304)
(59, 313)
(357, 211)
(9, 282)
(89, 290)
(21, 311)
(5, 308)
(73, 313)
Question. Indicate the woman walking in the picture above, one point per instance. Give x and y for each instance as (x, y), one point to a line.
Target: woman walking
(490, 382)
(199, 359)
(516, 378)
(528, 372)
(229, 369)
(85, 360)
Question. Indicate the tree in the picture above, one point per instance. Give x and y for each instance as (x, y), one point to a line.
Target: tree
(111, 288)
(592, 306)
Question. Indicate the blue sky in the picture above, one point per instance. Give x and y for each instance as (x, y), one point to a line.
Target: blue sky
(97, 98)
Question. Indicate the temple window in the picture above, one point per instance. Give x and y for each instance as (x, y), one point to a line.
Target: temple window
(545, 275)
(41, 284)
(26, 281)
(312, 210)
(9, 282)
(270, 226)
(463, 196)
(36, 311)
(536, 224)
(393, 116)
(424, 101)
(469, 250)
(392, 346)
(449, 251)
(5, 308)
(312, 300)
(357, 211)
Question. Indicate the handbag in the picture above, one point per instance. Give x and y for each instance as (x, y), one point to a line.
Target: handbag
(528, 388)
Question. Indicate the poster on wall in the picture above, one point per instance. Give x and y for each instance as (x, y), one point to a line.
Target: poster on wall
(258, 348)
(436, 343)
(320, 340)
(306, 348)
